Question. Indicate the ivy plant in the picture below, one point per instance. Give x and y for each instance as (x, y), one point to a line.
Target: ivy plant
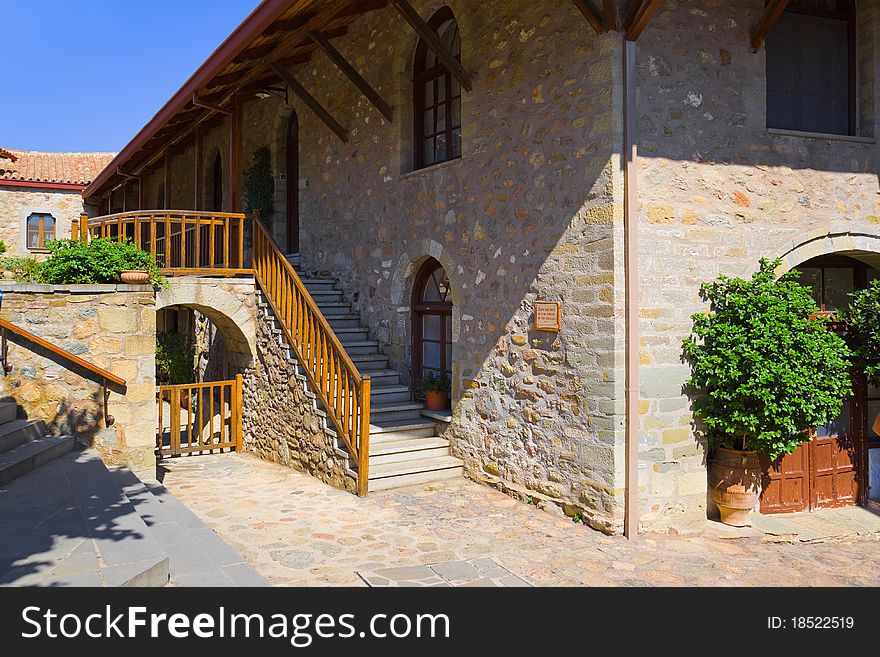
(98, 261)
(862, 319)
(259, 185)
(175, 355)
(767, 368)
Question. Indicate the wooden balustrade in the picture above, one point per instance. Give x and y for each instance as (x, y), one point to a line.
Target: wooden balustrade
(334, 377)
(199, 417)
(183, 241)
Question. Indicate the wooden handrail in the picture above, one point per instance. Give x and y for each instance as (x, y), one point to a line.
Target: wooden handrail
(344, 392)
(58, 351)
(182, 241)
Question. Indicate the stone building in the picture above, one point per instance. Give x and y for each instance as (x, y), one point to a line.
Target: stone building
(41, 196)
(447, 167)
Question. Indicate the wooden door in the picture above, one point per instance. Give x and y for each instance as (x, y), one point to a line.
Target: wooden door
(834, 457)
(786, 482)
(293, 185)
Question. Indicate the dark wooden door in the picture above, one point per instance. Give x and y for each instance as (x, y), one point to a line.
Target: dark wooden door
(432, 322)
(786, 482)
(293, 184)
(834, 457)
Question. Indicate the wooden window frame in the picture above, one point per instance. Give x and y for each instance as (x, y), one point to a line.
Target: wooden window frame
(424, 75)
(41, 231)
(420, 309)
(850, 16)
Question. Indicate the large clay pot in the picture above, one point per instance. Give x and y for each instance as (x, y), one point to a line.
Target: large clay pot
(436, 401)
(135, 277)
(735, 484)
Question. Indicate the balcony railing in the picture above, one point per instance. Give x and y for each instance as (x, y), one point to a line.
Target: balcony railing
(184, 242)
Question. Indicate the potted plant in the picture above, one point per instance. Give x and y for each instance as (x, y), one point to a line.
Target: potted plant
(768, 370)
(101, 260)
(435, 389)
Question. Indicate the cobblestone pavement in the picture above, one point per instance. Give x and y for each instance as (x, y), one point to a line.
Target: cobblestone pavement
(297, 531)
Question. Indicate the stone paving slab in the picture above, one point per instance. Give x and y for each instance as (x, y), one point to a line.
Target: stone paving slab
(815, 526)
(473, 572)
(296, 531)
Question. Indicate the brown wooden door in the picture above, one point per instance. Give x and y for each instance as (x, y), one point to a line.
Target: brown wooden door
(786, 482)
(834, 459)
(293, 184)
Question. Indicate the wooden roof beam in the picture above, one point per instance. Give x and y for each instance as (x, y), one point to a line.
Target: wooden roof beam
(638, 15)
(592, 14)
(609, 13)
(768, 19)
(430, 37)
(356, 79)
(310, 102)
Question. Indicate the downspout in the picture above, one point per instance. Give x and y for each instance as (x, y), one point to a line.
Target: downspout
(631, 268)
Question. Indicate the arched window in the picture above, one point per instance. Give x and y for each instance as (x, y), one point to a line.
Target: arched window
(40, 230)
(432, 321)
(217, 184)
(437, 97)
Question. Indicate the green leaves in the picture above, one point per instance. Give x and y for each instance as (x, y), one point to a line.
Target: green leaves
(863, 335)
(98, 261)
(175, 356)
(768, 373)
(431, 383)
(259, 185)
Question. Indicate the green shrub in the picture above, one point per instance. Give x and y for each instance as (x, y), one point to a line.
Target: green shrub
(25, 269)
(3, 247)
(259, 185)
(863, 335)
(431, 383)
(174, 359)
(767, 371)
(98, 261)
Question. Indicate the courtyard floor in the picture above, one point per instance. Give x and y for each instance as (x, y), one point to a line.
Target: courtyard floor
(297, 531)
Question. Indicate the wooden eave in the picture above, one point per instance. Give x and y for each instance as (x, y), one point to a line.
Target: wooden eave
(276, 31)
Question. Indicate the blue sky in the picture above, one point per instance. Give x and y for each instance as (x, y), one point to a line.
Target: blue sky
(87, 75)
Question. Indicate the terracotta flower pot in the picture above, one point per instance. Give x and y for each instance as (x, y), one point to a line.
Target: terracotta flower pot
(436, 401)
(135, 276)
(735, 484)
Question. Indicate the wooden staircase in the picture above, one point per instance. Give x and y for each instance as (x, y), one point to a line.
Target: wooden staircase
(405, 446)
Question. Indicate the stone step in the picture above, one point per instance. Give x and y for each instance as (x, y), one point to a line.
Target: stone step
(387, 394)
(352, 334)
(396, 412)
(361, 347)
(369, 362)
(344, 321)
(384, 377)
(68, 523)
(25, 458)
(412, 449)
(8, 411)
(322, 297)
(330, 310)
(410, 473)
(18, 432)
(197, 555)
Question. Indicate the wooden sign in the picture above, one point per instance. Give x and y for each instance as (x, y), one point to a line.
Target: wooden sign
(548, 316)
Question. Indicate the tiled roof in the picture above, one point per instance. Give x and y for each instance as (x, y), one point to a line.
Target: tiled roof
(68, 168)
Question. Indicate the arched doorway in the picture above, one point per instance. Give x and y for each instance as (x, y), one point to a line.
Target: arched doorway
(830, 471)
(293, 184)
(431, 322)
(217, 184)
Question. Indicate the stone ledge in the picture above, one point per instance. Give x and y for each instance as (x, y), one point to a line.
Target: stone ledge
(37, 288)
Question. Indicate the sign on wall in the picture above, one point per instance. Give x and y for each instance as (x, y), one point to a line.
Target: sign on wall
(548, 316)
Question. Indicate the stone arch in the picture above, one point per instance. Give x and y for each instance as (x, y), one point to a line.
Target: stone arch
(236, 321)
(855, 244)
(402, 281)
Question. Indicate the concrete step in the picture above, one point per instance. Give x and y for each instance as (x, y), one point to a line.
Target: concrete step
(8, 411)
(23, 459)
(370, 362)
(410, 473)
(388, 394)
(361, 347)
(352, 334)
(197, 555)
(395, 412)
(68, 523)
(384, 377)
(392, 430)
(335, 309)
(18, 432)
(326, 296)
(412, 449)
(344, 321)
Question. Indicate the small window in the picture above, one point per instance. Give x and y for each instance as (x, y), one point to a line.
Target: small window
(40, 231)
(437, 97)
(811, 68)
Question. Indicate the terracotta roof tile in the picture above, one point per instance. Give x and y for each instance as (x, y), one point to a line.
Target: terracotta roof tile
(70, 168)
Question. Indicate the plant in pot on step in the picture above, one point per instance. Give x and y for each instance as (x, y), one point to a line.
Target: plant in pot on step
(435, 389)
(767, 370)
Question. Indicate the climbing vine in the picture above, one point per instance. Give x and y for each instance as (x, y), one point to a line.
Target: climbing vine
(259, 185)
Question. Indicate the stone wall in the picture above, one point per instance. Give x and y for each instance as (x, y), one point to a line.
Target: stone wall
(717, 191)
(280, 422)
(113, 327)
(17, 203)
